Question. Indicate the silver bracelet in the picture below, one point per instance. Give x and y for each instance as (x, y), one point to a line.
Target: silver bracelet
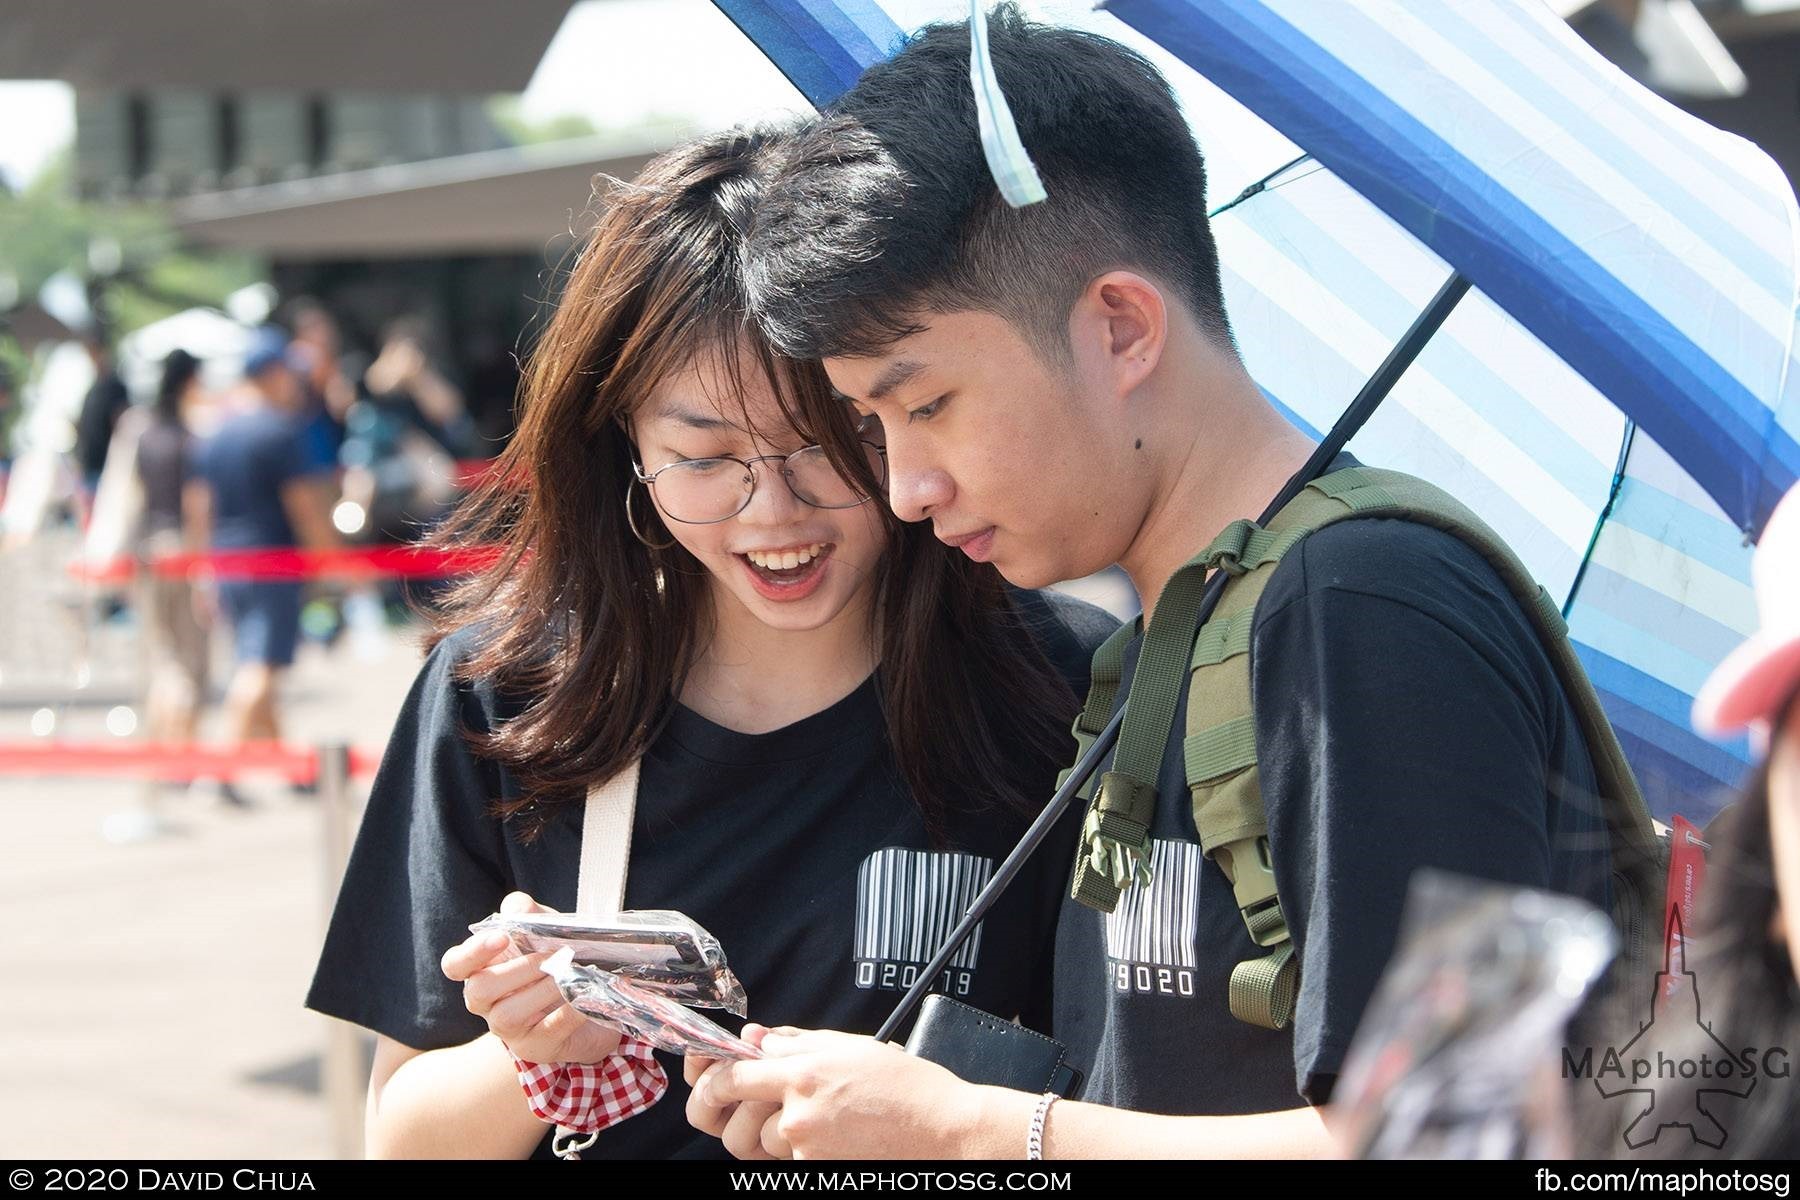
(1034, 1141)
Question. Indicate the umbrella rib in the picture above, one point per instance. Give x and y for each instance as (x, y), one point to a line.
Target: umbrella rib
(1260, 185)
(1612, 498)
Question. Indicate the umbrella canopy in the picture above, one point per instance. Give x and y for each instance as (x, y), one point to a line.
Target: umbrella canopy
(1618, 397)
(1654, 253)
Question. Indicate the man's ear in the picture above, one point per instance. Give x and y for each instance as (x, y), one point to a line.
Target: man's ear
(1122, 321)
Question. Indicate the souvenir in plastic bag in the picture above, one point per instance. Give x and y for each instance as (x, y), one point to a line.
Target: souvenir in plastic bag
(1457, 1055)
(663, 952)
(654, 1018)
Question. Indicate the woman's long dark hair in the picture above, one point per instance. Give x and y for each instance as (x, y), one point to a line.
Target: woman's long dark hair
(179, 370)
(595, 631)
(1752, 997)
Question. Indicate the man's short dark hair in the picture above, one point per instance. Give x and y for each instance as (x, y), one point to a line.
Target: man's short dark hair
(885, 208)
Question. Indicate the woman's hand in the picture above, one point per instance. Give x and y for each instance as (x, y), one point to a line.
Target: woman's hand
(519, 1002)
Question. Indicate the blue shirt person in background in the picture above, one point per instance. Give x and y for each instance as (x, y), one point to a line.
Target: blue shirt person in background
(263, 488)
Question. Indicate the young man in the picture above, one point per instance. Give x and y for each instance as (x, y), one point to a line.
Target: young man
(1059, 391)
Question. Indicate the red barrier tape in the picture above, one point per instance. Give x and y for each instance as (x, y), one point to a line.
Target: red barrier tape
(361, 562)
(172, 761)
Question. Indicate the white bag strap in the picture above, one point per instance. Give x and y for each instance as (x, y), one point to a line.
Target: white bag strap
(606, 844)
(600, 885)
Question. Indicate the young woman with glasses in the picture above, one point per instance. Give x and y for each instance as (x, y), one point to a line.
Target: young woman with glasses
(841, 724)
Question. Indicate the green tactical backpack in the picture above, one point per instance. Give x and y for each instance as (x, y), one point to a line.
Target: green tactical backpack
(1220, 743)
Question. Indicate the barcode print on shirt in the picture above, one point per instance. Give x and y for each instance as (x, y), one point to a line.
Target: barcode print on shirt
(907, 903)
(1155, 925)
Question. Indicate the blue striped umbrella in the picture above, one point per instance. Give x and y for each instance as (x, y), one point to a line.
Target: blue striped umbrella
(1617, 395)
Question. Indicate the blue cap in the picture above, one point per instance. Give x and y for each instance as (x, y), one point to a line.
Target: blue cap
(268, 348)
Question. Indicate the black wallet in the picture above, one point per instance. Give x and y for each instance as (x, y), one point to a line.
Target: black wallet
(982, 1048)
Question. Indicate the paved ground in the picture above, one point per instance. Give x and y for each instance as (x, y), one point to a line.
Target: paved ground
(151, 998)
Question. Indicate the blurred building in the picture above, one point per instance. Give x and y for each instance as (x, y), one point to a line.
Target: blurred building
(1733, 63)
(156, 143)
(470, 242)
(347, 143)
(1763, 37)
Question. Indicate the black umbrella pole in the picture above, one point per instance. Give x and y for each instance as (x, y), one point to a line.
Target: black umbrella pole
(1426, 324)
(1034, 837)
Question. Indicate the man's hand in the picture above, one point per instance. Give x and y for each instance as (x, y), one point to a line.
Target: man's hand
(748, 1129)
(835, 1095)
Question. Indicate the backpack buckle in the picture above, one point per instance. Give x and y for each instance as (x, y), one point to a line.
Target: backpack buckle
(1115, 847)
(1249, 866)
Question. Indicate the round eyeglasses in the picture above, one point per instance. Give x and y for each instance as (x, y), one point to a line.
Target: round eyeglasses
(703, 491)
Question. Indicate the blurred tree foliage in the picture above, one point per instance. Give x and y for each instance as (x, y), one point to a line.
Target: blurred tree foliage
(506, 112)
(134, 263)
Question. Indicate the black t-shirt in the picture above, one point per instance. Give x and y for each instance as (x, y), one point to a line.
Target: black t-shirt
(800, 849)
(1406, 715)
(101, 409)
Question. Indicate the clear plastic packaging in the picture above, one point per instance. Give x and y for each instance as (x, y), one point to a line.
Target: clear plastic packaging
(663, 952)
(611, 1000)
(1457, 1054)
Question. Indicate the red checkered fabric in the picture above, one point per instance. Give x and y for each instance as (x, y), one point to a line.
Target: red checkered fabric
(590, 1096)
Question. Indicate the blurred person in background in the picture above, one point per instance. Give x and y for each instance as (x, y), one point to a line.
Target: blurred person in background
(9, 415)
(105, 402)
(402, 377)
(405, 435)
(262, 489)
(319, 344)
(175, 621)
(317, 355)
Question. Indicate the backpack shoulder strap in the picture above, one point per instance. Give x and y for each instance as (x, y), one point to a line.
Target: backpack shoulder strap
(1220, 746)
(1638, 855)
(1105, 670)
(1219, 751)
(1380, 493)
(1115, 846)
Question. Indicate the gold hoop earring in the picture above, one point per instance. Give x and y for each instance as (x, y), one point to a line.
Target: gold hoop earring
(632, 522)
